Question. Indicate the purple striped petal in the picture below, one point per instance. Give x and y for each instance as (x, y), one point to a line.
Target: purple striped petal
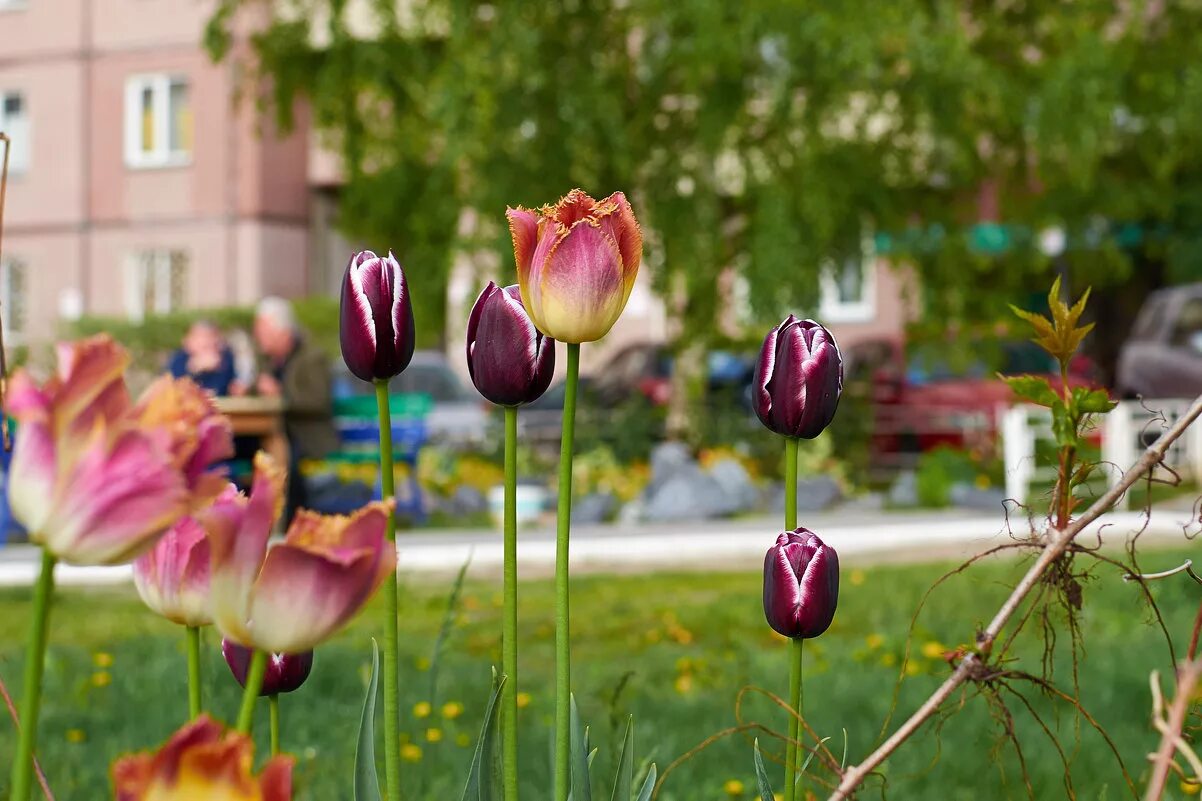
(509, 360)
(801, 584)
(376, 328)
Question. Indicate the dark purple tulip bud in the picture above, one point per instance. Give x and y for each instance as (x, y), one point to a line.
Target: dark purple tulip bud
(798, 379)
(801, 584)
(511, 362)
(375, 317)
(285, 672)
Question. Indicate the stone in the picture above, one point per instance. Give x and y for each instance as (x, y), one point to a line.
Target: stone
(669, 459)
(904, 491)
(691, 494)
(968, 496)
(466, 501)
(596, 507)
(740, 491)
(813, 494)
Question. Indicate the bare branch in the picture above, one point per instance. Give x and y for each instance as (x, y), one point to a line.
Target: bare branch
(1056, 543)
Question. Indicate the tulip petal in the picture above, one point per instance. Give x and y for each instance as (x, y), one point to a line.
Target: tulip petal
(393, 360)
(523, 229)
(819, 591)
(473, 324)
(172, 578)
(573, 207)
(782, 593)
(764, 367)
(581, 287)
(623, 228)
(506, 353)
(32, 477)
(93, 384)
(356, 325)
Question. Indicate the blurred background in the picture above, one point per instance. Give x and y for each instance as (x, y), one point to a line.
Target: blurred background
(901, 172)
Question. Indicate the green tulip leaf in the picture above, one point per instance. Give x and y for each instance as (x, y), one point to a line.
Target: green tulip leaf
(367, 782)
(483, 781)
(761, 775)
(581, 786)
(648, 785)
(624, 783)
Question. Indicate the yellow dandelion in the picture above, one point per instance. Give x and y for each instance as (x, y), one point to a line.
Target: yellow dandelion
(411, 752)
(888, 660)
(523, 700)
(856, 577)
(733, 788)
(912, 668)
(933, 649)
(1190, 788)
(874, 640)
(452, 710)
(422, 709)
(433, 735)
(102, 678)
(76, 736)
(463, 740)
(982, 481)
(684, 684)
(102, 660)
(422, 663)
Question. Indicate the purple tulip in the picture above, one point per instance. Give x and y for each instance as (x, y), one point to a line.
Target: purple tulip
(510, 361)
(285, 672)
(375, 317)
(801, 584)
(798, 379)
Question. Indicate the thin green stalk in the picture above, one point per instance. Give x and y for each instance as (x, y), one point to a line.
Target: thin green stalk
(274, 705)
(193, 672)
(509, 633)
(35, 660)
(254, 685)
(392, 658)
(563, 642)
(791, 750)
(793, 782)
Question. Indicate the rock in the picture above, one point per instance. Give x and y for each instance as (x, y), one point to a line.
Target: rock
(669, 459)
(967, 496)
(466, 501)
(691, 494)
(868, 502)
(632, 512)
(741, 493)
(904, 491)
(596, 507)
(813, 494)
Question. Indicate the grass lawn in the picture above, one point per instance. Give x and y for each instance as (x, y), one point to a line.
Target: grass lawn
(673, 649)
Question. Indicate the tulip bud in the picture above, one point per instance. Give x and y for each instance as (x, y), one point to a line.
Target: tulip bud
(798, 379)
(285, 672)
(375, 317)
(801, 584)
(576, 263)
(510, 361)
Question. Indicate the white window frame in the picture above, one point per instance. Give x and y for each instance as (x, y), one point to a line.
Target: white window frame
(13, 336)
(162, 155)
(14, 5)
(137, 266)
(834, 309)
(18, 132)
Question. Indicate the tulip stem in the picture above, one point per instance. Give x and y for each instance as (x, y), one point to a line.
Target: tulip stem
(35, 660)
(274, 705)
(793, 782)
(193, 672)
(254, 685)
(791, 749)
(563, 647)
(509, 633)
(392, 657)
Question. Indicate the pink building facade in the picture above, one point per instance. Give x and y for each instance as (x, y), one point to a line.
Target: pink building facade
(137, 183)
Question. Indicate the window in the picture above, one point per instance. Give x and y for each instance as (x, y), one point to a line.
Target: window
(158, 121)
(155, 282)
(848, 287)
(14, 121)
(14, 306)
(13, 5)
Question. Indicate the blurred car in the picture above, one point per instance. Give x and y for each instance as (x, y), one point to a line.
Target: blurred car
(1162, 357)
(646, 369)
(458, 414)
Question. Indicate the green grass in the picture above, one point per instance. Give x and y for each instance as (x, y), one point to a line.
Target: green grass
(680, 647)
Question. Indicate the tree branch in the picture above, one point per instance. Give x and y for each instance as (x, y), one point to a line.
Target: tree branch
(1057, 543)
(1170, 729)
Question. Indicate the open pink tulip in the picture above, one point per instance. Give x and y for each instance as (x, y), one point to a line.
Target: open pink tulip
(96, 480)
(201, 763)
(173, 577)
(290, 597)
(576, 263)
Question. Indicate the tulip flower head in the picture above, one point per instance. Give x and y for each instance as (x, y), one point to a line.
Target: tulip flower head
(798, 379)
(576, 263)
(297, 593)
(375, 317)
(801, 584)
(285, 672)
(201, 762)
(510, 361)
(95, 479)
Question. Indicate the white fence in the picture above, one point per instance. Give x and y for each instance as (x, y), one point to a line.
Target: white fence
(1125, 433)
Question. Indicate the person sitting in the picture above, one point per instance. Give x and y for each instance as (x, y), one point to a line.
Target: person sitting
(299, 373)
(206, 359)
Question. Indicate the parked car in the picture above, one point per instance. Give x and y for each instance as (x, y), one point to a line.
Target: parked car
(458, 415)
(1162, 357)
(646, 368)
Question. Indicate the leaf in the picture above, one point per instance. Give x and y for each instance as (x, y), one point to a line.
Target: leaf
(1032, 388)
(1064, 429)
(367, 782)
(581, 786)
(624, 783)
(648, 785)
(761, 776)
(480, 788)
(1092, 401)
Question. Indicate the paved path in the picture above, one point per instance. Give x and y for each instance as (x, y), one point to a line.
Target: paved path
(859, 536)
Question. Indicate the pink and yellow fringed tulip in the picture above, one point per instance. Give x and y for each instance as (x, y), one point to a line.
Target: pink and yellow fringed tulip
(95, 479)
(576, 263)
(200, 763)
(297, 593)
